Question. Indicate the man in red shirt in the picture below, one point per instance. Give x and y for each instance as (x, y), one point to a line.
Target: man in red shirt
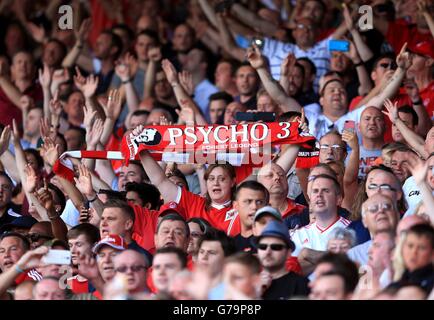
(273, 177)
(20, 83)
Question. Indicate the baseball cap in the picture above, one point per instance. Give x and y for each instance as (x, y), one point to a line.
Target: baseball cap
(113, 240)
(276, 229)
(424, 48)
(268, 210)
(20, 222)
(172, 207)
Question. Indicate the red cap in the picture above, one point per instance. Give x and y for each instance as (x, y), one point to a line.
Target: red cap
(172, 207)
(113, 240)
(424, 48)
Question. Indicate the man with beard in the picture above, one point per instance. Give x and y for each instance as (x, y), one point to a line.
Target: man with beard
(372, 128)
(274, 245)
(247, 82)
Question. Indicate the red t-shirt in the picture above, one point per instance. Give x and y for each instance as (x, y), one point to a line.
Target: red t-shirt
(9, 111)
(400, 32)
(222, 218)
(78, 287)
(144, 228)
(293, 208)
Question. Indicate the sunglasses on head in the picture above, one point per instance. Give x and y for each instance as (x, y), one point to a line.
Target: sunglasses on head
(391, 65)
(273, 246)
(34, 237)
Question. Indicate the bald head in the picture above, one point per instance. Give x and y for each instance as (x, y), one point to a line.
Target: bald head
(409, 221)
(24, 291)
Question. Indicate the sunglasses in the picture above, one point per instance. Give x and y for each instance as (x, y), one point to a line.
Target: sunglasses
(391, 65)
(273, 246)
(134, 269)
(34, 237)
(384, 187)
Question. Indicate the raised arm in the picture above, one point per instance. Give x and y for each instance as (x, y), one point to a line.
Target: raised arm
(424, 120)
(253, 20)
(167, 188)
(112, 110)
(351, 169)
(45, 82)
(154, 58)
(8, 87)
(422, 6)
(80, 36)
(124, 72)
(228, 42)
(419, 170)
(403, 60)
(273, 88)
(364, 79)
(413, 139)
(6, 157)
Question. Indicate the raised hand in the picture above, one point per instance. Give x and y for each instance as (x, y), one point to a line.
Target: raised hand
(87, 267)
(417, 167)
(90, 86)
(125, 67)
(32, 258)
(4, 139)
(350, 137)
(186, 114)
(89, 117)
(83, 31)
(37, 32)
(45, 76)
(50, 151)
(255, 57)
(303, 125)
(27, 103)
(45, 197)
(186, 80)
(47, 130)
(154, 54)
(347, 17)
(404, 59)
(84, 181)
(94, 134)
(392, 110)
(79, 79)
(114, 103)
(32, 179)
(170, 71)
(422, 6)
(287, 65)
(60, 76)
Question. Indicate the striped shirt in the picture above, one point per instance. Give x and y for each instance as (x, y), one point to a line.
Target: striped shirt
(277, 51)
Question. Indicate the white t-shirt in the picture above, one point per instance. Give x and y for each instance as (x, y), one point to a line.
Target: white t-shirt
(277, 51)
(319, 124)
(359, 254)
(366, 160)
(314, 237)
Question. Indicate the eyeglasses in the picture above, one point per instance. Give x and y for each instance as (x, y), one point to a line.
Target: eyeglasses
(34, 237)
(195, 234)
(124, 269)
(334, 147)
(273, 246)
(374, 208)
(384, 187)
(391, 65)
(302, 26)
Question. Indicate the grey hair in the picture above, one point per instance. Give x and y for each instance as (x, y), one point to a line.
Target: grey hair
(343, 234)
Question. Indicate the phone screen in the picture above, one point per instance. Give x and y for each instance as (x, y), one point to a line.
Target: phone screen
(350, 125)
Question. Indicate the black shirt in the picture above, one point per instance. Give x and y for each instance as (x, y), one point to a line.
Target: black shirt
(244, 244)
(422, 277)
(287, 286)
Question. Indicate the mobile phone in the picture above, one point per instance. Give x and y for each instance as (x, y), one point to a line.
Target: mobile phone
(339, 45)
(350, 126)
(255, 116)
(258, 42)
(55, 256)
